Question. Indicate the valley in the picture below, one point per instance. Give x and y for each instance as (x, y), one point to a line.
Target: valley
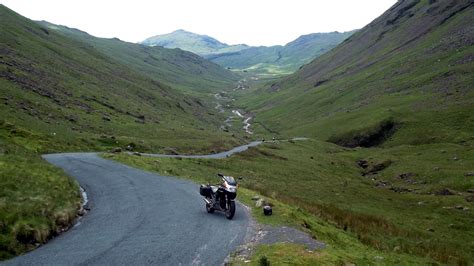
(363, 140)
(274, 60)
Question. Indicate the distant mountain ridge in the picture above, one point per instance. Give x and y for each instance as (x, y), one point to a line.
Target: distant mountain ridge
(267, 59)
(192, 42)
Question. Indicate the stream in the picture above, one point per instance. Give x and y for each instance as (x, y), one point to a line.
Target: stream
(235, 114)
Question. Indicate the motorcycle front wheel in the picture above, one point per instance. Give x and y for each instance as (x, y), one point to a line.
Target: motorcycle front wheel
(230, 211)
(209, 209)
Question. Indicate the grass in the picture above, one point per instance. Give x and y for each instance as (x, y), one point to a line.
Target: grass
(329, 189)
(280, 59)
(424, 87)
(96, 94)
(63, 93)
(37, 200)
(63, 90)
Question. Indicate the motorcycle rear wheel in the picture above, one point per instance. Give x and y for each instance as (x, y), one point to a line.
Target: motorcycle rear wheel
(230, 211)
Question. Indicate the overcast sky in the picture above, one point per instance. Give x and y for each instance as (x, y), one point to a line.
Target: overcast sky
(254, 22)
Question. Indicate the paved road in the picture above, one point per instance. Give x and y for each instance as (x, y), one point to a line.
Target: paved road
(220, 155)
(224, 154)
(138, 217)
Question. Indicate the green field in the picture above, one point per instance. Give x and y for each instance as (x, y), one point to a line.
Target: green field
(63, 90)
(391, 158)
(328, 187)
(37, 201)
(385, 178)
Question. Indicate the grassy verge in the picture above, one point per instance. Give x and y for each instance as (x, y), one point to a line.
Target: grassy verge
(359, 217)
(37, 200)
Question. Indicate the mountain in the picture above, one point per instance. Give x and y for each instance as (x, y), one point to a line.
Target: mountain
(273, 59)
(409, 69)
(181, 69)
(281, 59)
(64, 90)
(56, 79)
(192, 42)
(389, 117)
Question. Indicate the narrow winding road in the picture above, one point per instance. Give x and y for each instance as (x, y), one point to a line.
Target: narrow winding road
(138, 218)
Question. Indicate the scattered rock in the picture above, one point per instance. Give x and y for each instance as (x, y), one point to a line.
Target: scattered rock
(430, 230)
(407, 177)
(382, 184)
(469, 198)
(72, 118)
(362, 163)
(471, 190)
(444, 192)
(400, 189)
(106, 118)
(455, 158)
(137, 154)
(459, 207)
(260, 203)
(376, 167)
(171, 151)
(469, 174)
(436, 168)
(116, 150)
(255, 198)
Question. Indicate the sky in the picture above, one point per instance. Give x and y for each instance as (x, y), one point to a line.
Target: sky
(253, 22)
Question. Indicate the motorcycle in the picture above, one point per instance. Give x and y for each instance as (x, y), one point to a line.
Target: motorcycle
(220, 197)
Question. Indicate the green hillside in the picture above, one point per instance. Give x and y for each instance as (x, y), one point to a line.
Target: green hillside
(82, 88)
(387, 176)
(397, 100)
(413, 66)
(281, 59)
(192, 42)
(64, 90)
(276, 59)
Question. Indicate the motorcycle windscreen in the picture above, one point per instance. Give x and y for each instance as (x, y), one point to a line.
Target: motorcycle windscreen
(230, 180)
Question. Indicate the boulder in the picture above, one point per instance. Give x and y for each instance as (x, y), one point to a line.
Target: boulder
(260, 203)
(469, 198)
(116, 150)
(444, 192)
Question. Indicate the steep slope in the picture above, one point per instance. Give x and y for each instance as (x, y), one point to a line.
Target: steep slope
(276, 59)
(408, 72)
(175, 67)
(192, 42)
(64, 90)
(102, 92)
(281, 59)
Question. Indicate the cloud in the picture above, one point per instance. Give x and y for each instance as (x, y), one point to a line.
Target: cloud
(254, 22)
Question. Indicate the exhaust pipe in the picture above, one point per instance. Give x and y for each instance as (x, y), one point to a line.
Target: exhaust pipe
(207, 201)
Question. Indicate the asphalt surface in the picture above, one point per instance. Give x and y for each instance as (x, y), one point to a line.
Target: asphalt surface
(220, 155)
(137, 218)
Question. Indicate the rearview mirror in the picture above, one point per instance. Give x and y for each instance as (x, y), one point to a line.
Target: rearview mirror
(221, 175)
